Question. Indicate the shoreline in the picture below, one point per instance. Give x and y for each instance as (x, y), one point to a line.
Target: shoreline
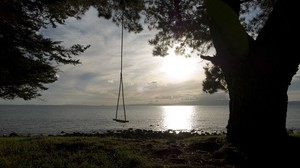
(134, 133)
(124, 132)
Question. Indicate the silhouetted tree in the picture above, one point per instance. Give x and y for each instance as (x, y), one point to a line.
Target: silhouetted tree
(254, 43)
(27, 58)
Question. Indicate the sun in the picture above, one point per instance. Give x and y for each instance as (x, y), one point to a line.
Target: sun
(178, 68)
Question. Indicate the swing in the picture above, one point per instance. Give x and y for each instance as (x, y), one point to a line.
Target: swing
(121, 87)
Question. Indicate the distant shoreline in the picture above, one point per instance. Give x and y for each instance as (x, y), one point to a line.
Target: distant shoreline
(83, 105)
(218, 103)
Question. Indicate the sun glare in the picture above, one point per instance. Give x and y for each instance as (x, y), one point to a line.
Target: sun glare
(178, 68)
(178, 117)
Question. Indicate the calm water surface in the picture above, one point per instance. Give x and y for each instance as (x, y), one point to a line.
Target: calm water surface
(32, 120)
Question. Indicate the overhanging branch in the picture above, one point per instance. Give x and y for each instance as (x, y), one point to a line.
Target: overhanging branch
(215, 60)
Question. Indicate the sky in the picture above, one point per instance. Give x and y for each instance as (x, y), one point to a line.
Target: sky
(147, 79)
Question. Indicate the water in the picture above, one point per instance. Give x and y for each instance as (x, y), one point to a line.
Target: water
(53, 120)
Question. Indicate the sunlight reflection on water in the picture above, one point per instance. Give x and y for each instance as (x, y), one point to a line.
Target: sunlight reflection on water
(178, 117)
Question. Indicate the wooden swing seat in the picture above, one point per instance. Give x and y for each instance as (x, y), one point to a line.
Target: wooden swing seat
(121, 121)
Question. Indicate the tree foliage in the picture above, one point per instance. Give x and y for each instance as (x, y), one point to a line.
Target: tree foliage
(27, 58)
(215, 80)
(181, 24)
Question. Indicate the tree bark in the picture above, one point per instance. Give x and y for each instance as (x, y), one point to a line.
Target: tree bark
(258, 108)
(258, 85)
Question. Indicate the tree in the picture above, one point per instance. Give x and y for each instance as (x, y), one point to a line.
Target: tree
(27, 58)
(254, 58)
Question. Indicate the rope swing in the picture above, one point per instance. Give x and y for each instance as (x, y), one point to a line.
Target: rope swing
(121, 87)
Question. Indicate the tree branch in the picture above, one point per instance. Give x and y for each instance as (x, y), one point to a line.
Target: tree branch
(244, 1)
(209, 58)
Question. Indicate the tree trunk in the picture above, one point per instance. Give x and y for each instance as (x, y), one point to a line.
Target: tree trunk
(258, 108)
(257, 121)
(258, 85)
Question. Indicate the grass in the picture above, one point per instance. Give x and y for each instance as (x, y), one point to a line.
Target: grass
(114, 151)
(70, 152)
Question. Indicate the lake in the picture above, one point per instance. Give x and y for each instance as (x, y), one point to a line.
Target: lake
(44, 119)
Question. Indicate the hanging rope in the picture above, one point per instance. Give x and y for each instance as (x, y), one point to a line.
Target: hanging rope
(121, 86)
